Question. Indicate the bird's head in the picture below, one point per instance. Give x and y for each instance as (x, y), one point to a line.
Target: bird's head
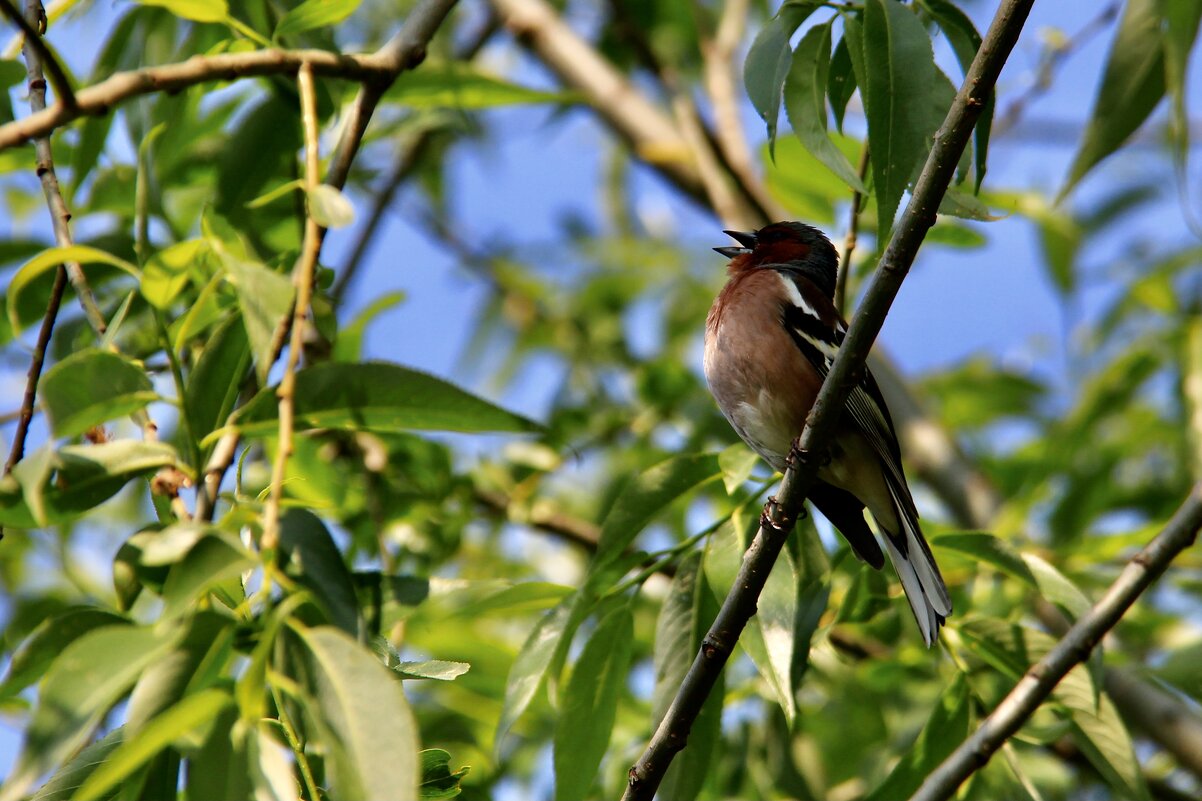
(785, 246)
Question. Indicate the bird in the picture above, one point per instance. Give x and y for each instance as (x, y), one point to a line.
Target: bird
(771, 337)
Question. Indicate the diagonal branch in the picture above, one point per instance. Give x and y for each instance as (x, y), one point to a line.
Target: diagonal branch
(1072, 649)
(781, 512)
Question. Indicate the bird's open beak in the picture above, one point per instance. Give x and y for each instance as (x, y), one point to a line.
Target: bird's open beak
(747, 240)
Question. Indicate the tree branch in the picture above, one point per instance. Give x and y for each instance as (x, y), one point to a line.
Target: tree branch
(1072, 649)
(33, 36)
(780, 513)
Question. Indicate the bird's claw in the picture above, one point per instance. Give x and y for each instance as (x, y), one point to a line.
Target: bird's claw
(799, 456)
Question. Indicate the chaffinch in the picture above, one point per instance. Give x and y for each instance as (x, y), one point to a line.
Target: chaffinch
(770, 339)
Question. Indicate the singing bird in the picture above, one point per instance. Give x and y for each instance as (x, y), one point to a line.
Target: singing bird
(770, 339)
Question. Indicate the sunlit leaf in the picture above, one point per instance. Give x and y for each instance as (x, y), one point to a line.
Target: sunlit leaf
(366, 725)
(438, 781)
(457, 86)
(197, 10)
(265, 297)
(50, 259)
(48, 640)
(768, 63)
(590, 704)
(530, 667)
(91, 387)
(805, 103)
(166, 272)
(330, 207)
(315, 14)
(1132, 85)
(377, 396)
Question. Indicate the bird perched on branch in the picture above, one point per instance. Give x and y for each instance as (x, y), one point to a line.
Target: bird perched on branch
(770, 339)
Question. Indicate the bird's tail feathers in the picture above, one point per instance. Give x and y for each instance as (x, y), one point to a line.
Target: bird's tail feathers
(920, 577)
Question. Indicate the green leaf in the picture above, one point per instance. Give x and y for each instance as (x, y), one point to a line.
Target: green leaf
(349, 346)
(736, 462)
(456, 86)
(314, 14)
(265, 297)
(903, 91)
(1133, 84)
(683, 620)
(437, 669)
(962, 35)
(590, 704)
(48, 640)
(213, 385)
(91, 387)
(1056, 587)
(646, 496)
(800, 182)
(89, 676)
(214, 559)
(63, 784)
(177, 723)
(367, 729)
(329, 207)
(946, 728)
(166, 272)
(768, 63)
(1181, 19)
(438, 781)
(314, 561)
(528, 669)
(805, 103)
(840, 82)
(378, 396)
(85, 476)
(50, 259)
(1107, 744)
(220, 768)
(966, 207)
(196, 10)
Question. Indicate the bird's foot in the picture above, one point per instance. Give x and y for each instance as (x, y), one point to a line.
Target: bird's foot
(799, 456)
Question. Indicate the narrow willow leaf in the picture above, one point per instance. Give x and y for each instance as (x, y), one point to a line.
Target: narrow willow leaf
(1056, 587)
(644, 497)
(166, 272)
(438, 781)
(349, 345)
(1107, 744)
(220, 767)
(265, 297)
(367, 729)
(902, 91)
(590, 704)
(63, 784)
(45, 261)
(1133, 84)
(314, 14)
(196, 10)
(437, 669)
(329, 207)
(89, 676)
(946, 728)
(377, 396)
(187, 716)
(92, 387)
(840, 82)
(768, 63)
(312, 559)
(984, 547)
(962, 35)
(214, 559)
(456, 86)
(86, 476)
(683, 620)
(213, 385)
(805, 103)
(528, 669)
(48, 640)
(1181, 19)
(736, 463)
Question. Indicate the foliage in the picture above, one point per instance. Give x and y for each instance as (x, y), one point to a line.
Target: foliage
(410, 632)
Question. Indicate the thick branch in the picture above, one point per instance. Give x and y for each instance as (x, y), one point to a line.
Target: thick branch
(779, 514)
(1072, 649)
(100, 98)
(645, 127)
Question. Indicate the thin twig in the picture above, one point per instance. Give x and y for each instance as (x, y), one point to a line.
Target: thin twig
(403, 51)
(305, 268)
(60, 217)
(1071, 650)
(853, 231)
(63, 92)
(781, 512)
